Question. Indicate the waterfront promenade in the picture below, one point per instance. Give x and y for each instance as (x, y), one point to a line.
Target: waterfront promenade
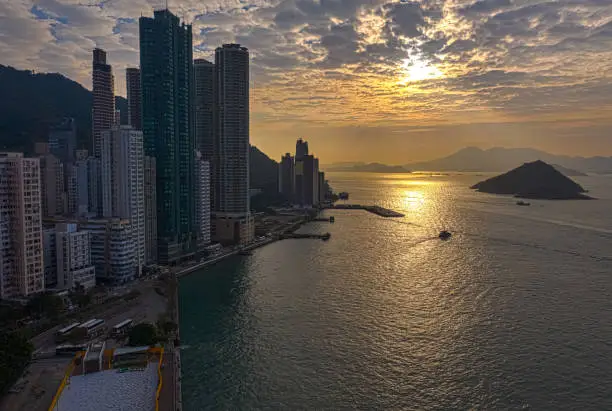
(374, 209)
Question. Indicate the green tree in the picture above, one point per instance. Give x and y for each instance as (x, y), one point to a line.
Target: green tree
(142, 334)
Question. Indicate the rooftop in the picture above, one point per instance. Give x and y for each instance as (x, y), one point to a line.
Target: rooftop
(111, 390)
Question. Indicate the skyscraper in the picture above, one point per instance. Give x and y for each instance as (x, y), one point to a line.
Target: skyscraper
(103, 111)
(134, 97)
(301, 149)
(21, 249)
(150, 198)
(233, 222)
(286, 179)
(122, 171)
(103, 106)
(78, 184)
(166, 69)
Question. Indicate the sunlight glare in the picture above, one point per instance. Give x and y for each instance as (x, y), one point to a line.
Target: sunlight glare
(415, 68)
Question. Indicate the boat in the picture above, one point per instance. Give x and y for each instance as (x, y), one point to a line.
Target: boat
(343, 195)
(444, 235)
(325, 236)
(332, 219)
(522, 203)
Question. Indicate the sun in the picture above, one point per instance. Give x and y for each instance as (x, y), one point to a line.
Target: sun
(415, 68)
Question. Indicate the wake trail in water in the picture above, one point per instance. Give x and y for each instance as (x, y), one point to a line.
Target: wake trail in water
(597, 258)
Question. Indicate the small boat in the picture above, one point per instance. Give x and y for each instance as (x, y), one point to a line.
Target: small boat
(332, 219)
(444, 235)
(325, 236)
(522, 203)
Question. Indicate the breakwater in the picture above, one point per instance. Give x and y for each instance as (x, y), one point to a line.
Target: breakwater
(374, 209)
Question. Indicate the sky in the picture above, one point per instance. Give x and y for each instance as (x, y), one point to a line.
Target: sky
(368, 80)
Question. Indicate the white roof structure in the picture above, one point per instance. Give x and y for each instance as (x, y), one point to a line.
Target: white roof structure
(111, 390)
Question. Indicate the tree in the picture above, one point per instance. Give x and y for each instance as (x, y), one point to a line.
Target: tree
(15, 353)
(46, 304)
(142, 334)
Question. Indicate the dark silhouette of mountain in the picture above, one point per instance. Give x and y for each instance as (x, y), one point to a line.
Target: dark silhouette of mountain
(536, 180)
(500, 159)
(263, 171)
(31, 102)
(367, 168)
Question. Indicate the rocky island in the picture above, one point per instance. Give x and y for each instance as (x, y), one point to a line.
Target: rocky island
(536, 180)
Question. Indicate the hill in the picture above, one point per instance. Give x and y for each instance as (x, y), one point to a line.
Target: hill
(536, 180)
(31, 102)
(501, 159)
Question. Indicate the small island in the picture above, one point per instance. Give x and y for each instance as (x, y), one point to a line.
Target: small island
(536, 180)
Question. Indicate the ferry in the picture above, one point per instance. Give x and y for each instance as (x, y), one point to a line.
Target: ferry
(522, 203)
(444, 235)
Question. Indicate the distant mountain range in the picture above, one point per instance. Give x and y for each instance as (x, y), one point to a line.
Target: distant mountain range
(366, 168)
(494, 159)
(503, 159)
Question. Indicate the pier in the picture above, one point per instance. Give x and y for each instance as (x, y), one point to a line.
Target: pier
(374, 209)
(323, 237)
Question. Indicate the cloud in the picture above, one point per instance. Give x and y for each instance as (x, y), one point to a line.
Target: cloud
(353, 61)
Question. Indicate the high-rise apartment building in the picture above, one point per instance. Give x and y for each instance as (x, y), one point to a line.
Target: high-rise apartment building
(21, 249)
(309, 185)
(93, 176)
(204, 109)
(50, 258)
(103, 111)
(203, 199)
(53, 192)
(62, 140)
(73, 259)
(122, 177)
(112, 250)
(166, 70)
(233, 221)
(78, 188)
(134, 97)
(286, 176)
(150, 199)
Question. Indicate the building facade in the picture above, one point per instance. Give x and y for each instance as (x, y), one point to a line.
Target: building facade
(150, 199)
(233, 221)
(103, 110)
(203, 200)
(134, 97)
(122, 171)
(21, 248)
(166, 69)
(73, 247)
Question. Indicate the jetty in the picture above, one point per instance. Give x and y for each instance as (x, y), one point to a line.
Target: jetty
(374, 209)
